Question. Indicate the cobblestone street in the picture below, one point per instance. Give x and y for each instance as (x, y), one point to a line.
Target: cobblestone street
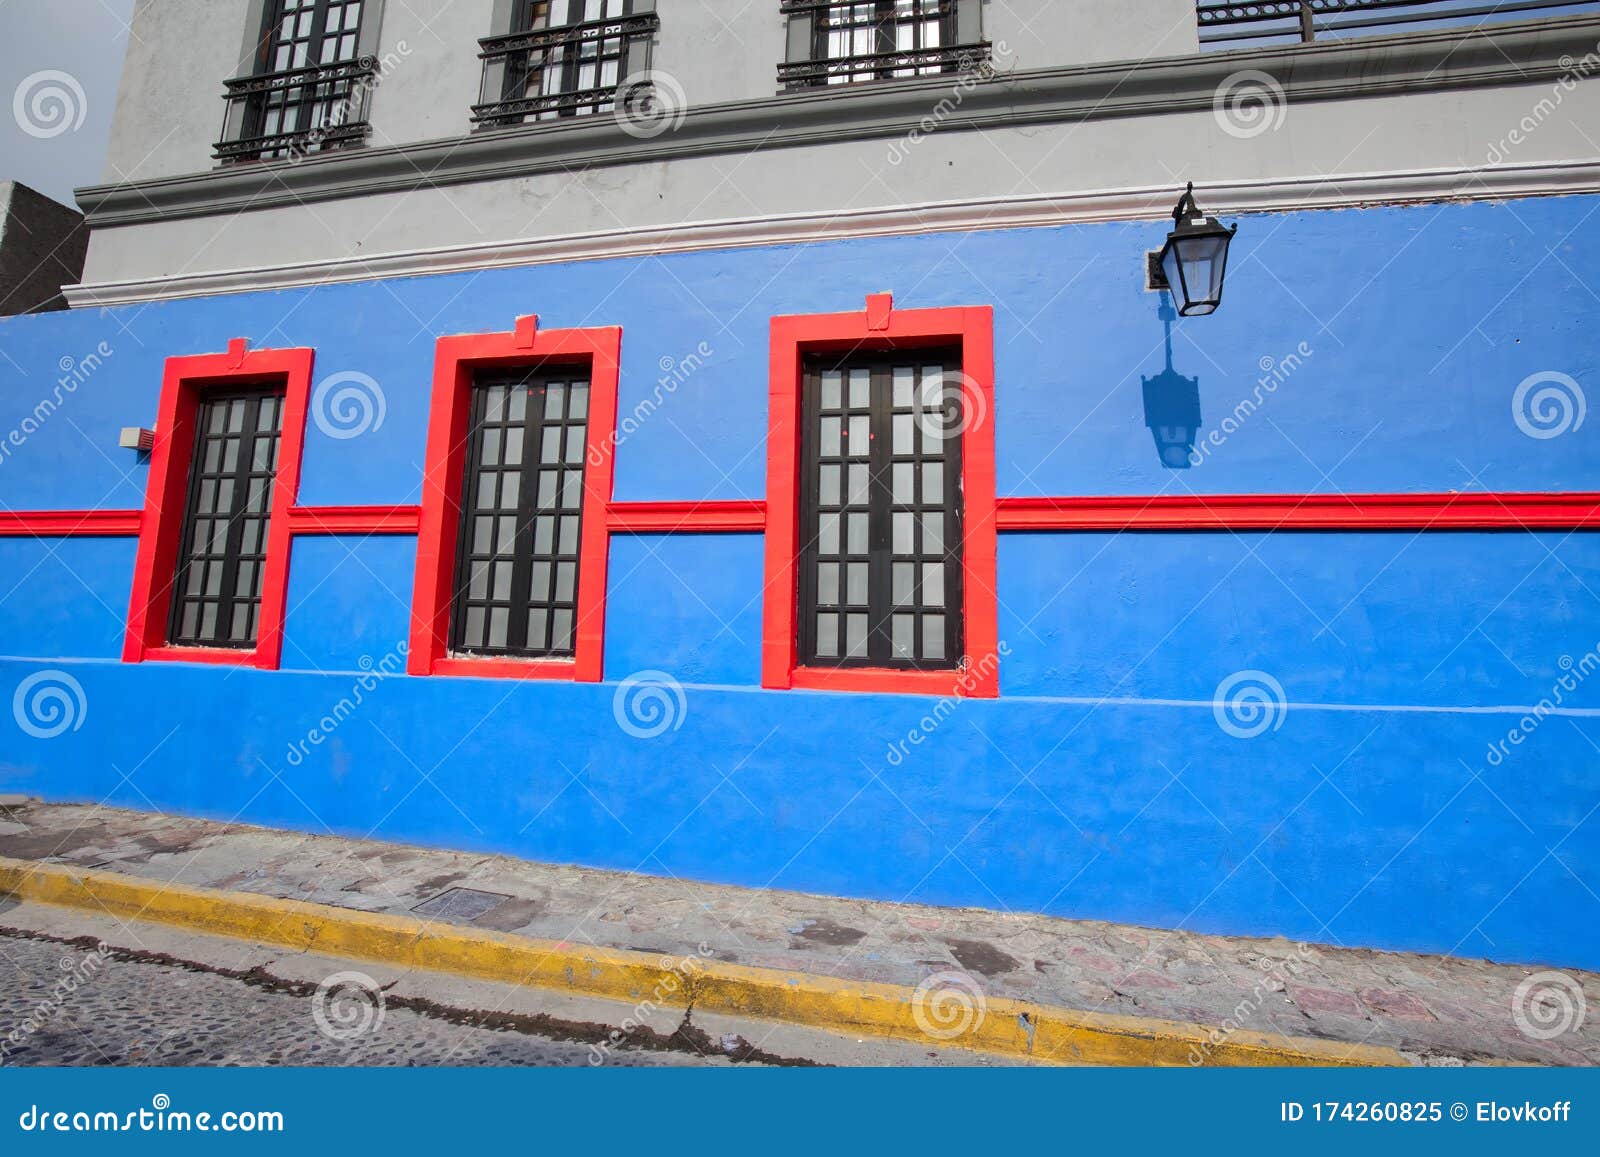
(132, 1012)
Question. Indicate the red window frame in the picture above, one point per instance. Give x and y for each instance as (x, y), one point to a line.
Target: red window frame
(881, 327)
(456, 359)
(184, 381)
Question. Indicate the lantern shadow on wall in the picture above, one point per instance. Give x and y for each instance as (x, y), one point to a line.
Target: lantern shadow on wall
(1172, 403)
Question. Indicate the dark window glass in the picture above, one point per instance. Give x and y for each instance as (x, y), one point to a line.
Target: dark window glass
(313, 92)
(880, 577)
(565, 58)
(516, 590)
(217, 594)
(865, 40)
(589, 65)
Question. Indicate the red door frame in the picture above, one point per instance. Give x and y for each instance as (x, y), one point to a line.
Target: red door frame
(882, 327)
(161, 522)
(456, 359)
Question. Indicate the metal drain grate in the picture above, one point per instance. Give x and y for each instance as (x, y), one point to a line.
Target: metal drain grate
(460, 904)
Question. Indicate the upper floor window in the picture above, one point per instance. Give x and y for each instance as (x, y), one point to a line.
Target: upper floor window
(311, 86)
(1226, 24)
(866, 40)
(563, 58)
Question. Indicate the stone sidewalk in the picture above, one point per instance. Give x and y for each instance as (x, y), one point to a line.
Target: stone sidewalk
(1438, 1010)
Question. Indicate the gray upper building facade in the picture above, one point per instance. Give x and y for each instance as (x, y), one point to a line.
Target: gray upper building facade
(281, 142)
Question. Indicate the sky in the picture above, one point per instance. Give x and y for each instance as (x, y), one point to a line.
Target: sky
(60, 61)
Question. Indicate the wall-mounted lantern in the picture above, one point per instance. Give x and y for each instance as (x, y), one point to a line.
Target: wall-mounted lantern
(1194, 259)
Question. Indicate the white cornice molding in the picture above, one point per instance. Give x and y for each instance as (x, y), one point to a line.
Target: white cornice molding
(1144, 203)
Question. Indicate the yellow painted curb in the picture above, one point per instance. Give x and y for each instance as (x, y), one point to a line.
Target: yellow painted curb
(945, 1015)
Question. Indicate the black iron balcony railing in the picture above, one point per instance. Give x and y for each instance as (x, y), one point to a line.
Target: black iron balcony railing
(871, 40)
(1307, 21)
(570, 70)
(277, 115)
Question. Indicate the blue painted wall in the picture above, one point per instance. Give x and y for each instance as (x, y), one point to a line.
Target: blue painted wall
(1101, 784)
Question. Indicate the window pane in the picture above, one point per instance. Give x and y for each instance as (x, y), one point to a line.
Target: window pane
(858, 526)
(828, 635)
(860, 389)
(860, 435)
(905, 533)
(858, 485)
(855, 636)
(904, 483)
(828, 584)
(904, 385)
(905, 636)
(902, 434)
(904, 586)
(831, 392)
(828, 485)
(830, 437)
(856, 589)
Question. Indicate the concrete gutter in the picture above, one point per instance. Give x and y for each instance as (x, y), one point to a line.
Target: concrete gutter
(945, 1018)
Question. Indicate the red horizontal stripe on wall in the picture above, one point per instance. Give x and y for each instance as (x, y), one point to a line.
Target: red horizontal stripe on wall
(742, 515)
(1464, 511)
(354, 519)
(59, 523)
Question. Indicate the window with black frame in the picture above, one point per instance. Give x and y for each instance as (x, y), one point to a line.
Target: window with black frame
(516, 588)
(563, 58)
(311, 88)
(870, 40)
(881, 514)
(217, 591)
